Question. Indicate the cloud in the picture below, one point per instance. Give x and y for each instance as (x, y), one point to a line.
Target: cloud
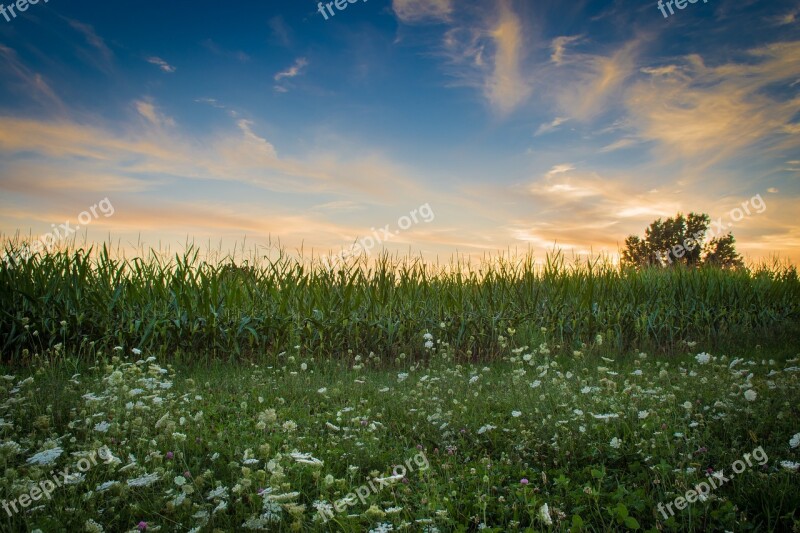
(618, 145)
(217, 50)
(294, 70)
(559, 47)
(148, 110)
(490, 57)
(416, 11)
(713, 112)
(160, 63)
(103, 57)
(594, 82)
(33, 83)
(559, 169)
(507, 87)
(546, 128)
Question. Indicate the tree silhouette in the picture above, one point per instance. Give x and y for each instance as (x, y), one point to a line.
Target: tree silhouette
(680, 241)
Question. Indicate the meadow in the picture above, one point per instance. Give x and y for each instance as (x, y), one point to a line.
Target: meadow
(274, 394)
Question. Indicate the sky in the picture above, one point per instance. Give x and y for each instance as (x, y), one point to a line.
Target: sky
(433, 127)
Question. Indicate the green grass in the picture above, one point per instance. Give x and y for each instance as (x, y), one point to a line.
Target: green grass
(187, 308)
(247, 394)
(672, 420)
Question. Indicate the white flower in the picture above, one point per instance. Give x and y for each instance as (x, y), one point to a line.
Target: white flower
(606, 416)
(789, 465)
(544, 513)
(105, 486)
(473, 379)
(643, 414)
(484, 429)
(323, 390)
(516, 414)
(136, 351)
(143, 481)
(102, 427)
(90, 526)
(306, 458)
(429, 344)
(615, 443)
(180, 481)
(535, 384)
(750, 395)
(45, 457)
(427, 337)
(795, 441)
(402, 376)
(702, 358)
(303, 367)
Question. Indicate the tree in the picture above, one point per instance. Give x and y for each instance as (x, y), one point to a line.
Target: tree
(679, 241)
(721, 252)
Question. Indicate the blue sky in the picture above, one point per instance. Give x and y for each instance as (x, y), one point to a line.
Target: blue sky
(521, 124)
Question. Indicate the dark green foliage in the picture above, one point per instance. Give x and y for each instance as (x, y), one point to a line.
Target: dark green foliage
(87, 301)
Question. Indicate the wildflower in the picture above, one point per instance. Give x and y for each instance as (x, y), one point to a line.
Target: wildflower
(45, 457)
(92, 527)
(141, 526)
(750, 395)
(304, 367)
(143, 481)
(544, 513)
(169, 456)
(428, 344)
(427, 337)
(137, 351)
(615, 443)
(643, 414)
(524, 481)
(323, 390)
(516, 414)
(789, 465)
(402, 376)
(795, 441)
(702, 358)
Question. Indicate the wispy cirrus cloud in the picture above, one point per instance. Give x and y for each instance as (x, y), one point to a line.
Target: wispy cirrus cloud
(101, 57)
(292, 72)
(160, 63)
(697, 111)
(30, 82)
(550, 126)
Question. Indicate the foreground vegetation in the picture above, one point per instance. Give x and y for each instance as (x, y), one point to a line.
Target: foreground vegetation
(275, 394)
(585, 442)
(185, 308)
